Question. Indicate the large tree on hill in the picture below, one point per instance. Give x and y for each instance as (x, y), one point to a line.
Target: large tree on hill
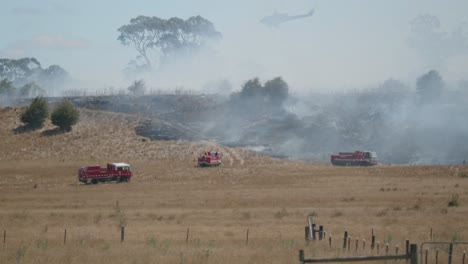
(166, 37)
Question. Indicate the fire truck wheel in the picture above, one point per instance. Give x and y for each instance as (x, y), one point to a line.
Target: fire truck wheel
(94, 181)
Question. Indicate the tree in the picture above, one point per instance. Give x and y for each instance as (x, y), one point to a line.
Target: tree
(142, 33)
(6, 88)
(166, 37)
(31, 89)
(251, 89)
(429, 86)
(65, 116)
(137, 88)
(35, 115)
(277, 90)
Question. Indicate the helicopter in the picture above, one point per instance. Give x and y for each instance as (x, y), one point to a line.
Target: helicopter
(278, 18)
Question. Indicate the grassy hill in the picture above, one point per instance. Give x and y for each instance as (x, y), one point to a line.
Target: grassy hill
(169, 197)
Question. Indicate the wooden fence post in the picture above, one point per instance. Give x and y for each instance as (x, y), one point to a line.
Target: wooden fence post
(247, 238)
(378, 247)
(363, 244)
(187, 236)
(464, 254)
(307, 234)
(413, 254)
(425, 258)
(386, 249)
(345, 239)
(357, 241)
(301, 256)
(437, 256)
(321, 232)
(396, 250)
(372, 246)
(330, 240)
(65, 237)
(122, 233)
(450, 253)
(407, 247)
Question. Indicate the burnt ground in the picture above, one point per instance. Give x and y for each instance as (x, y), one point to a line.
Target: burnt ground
(192, 118)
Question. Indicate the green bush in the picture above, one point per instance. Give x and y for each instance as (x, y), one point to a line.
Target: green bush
(35, 115)
(65, 116)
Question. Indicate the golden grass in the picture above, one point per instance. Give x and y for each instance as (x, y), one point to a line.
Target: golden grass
(40, 197)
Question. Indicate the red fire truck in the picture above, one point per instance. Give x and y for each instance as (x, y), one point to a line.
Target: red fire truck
(357, 158)
(119, 172)
(210, 159)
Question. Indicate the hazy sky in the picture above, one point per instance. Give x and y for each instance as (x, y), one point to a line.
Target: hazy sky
(346, 43)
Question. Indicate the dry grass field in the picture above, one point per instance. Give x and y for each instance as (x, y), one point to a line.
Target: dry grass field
(40, 197)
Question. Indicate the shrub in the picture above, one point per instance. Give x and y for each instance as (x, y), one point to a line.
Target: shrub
(65, 116)
(35, 115)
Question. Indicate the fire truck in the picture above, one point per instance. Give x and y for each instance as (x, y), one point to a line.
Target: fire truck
(119, 172)
(357, 158)
(210, 159)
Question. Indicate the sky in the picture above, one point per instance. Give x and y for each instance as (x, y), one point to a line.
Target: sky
(346, 44)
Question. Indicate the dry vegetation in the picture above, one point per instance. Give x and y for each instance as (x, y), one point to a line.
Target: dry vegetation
(40, 197)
